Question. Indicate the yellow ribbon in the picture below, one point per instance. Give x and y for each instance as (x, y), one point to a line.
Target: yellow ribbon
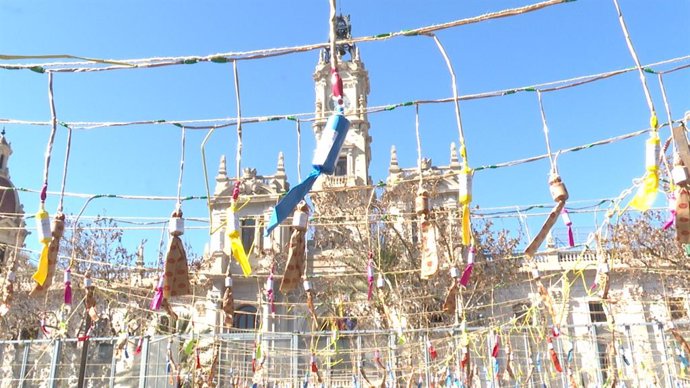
(466, 226)
(465, 199)
(237, 248)
(42, 271)
(646, 193)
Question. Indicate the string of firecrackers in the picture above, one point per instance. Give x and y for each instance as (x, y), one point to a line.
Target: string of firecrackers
(248, 55)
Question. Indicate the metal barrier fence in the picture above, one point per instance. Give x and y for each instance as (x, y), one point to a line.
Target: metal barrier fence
(645, 355)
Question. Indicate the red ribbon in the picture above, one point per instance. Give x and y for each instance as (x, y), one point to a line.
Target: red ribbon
(432, 351)
(337, 85)
(497, 346)
(139, 345)
(236, 191)
(465, 278)
(554, 357)
(314, 367)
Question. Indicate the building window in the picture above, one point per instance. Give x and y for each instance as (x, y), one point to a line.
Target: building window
(676, 307)
(596, 312)
(341, 166)
(248, 227)
(520, 311)
(602, 336)
(245, 318)
(2, 161)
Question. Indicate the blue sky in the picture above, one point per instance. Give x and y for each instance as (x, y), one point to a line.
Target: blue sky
(563, 41)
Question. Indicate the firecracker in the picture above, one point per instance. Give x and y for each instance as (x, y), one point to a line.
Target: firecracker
(294, 268)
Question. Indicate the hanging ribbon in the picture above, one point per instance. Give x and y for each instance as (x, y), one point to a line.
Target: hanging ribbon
(554, 356)
(325, 157)
(450, 303)
(465, 198)
(646, 193)
(496, 346)
(672, 212)
(270, 295)
(140, 344)
(228, 303)
(44, 237)
(90, 300)
(50, 259)
(433, 354)
(429, 250)
(294, 268)
(234, 233)
(465, 278)
(370, 276)
(158, 294)
(68, 286)
(310, 299)
(176, 278)
(509, 361)
(569, 224)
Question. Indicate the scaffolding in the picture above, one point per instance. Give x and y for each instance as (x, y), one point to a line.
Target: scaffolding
(645, 353)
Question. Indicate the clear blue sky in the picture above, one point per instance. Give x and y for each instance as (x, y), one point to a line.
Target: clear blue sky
(562, 41)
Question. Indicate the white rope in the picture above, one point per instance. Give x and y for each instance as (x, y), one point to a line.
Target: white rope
(179, 181)
(554, 169)
(458, 119)
(238, 157)
(633, 53)
(666, 106)
(299, 150)
(332, 36)
(64, 169)
(53, 130)
(419, 144)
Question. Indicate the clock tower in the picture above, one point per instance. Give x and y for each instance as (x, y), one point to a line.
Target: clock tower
(352, 167)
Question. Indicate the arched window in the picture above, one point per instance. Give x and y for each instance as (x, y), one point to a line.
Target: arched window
(245, 318)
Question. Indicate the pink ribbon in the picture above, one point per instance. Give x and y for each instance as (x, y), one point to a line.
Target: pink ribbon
(465, 278)
(158, 296)
(68, 286)
(370, 276)
(269, 292)
(568, 223)
(672, 209)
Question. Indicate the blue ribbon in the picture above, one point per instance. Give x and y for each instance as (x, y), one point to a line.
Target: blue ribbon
(282, 210)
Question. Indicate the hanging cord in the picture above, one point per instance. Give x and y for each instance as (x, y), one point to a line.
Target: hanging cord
(51, 138)
(208, 188)
(332, 36)
(667, 108)
(640, 70)
(456, 99)
(179, 181)
(64, 170)
(552, 159)
(238, 157)
(299, 149)
(419, 144)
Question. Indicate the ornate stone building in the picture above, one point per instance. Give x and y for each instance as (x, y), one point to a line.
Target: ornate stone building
(12, 225)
